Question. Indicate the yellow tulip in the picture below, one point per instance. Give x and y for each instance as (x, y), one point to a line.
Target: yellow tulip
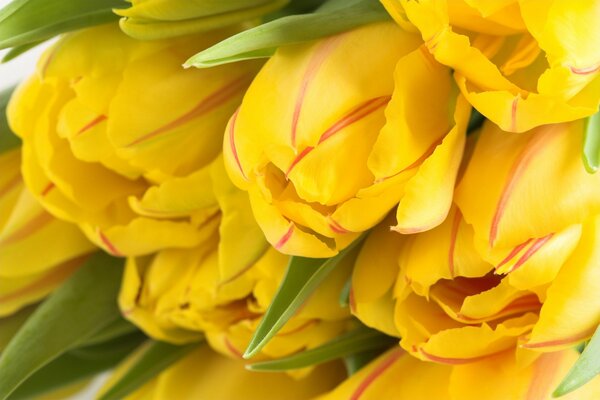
(521, 63)
(333, 134)
(204, 374)
(396, 375)
(514, 264)
(37, 251)
(123, 137)
(156, 19)
(181, 295)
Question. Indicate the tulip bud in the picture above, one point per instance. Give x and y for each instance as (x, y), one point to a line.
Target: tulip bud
(521, 64)
(123, 137)
(37, 251)
(157, 19)
(331, 135)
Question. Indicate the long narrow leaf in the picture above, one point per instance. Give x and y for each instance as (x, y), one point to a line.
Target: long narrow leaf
(303, 276)
(80, 308)
(76, 366)
(591, 144)
(584, 370)
(263, 40)
(28, 21)
(8, 140)
(356, 341)
(155, 357)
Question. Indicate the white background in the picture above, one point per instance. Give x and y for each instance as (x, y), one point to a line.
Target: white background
(10, 74)
(15, 70)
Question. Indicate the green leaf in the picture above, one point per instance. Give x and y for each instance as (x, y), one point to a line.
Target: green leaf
(263, 40)
(591, 143)
(152, 359)
(84, 305)
(11, 324)
(585, 369)
(356, 341)
(302, 277)
(77, 365)
(8, 140)
(17, 51)
(28, 21)
(344, 298)
(115, 329)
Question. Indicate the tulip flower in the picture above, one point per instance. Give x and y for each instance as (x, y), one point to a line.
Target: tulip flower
(37, 251)
(204, 374)
(123, 137)
(396, 375)
(181, 295)
(520, 63)
(333, 134)
(512, 265)
(157, 19)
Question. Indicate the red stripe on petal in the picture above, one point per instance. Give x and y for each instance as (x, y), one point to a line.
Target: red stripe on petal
(212, 101)
(91, 124)
(516, 172)
(561, 342)
(28, 228)
(109, 245)
(531, 251)
(284, 239)
(232, 142)
(314, 65)
(380, 369)
(47, 189)
(356, 114)
(456, 361)
(585, 71)
(516, 250)
(513, 114)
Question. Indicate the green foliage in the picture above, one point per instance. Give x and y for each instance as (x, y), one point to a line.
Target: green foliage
(77, 311)
(24, 22)
(357, 341)
(8, 140)
(149, 361)
(591, 143)
(262, 41)
(584, 370)
(303, 276)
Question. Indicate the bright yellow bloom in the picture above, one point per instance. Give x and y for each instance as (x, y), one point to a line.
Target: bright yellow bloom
(205, 374)
(514, 264)
(180, 295)
(333, 134)
(156, 19)
(37, 251)
(122, 136)
(521, 63)
(396, 375)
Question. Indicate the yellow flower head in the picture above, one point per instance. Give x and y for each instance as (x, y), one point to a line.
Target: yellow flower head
(333, 134)
(397, 375)
(123, 137)
(37, 251)
(521, 63)
(156, 19)
(181, 295)
(204, 374)
(514, 264)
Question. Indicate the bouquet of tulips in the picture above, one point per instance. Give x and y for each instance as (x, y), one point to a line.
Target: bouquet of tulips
(297, 199)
